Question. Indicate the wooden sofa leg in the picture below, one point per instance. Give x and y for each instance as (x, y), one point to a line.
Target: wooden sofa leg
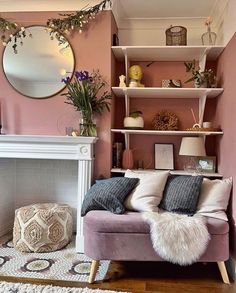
(223, 272)
(93, 270)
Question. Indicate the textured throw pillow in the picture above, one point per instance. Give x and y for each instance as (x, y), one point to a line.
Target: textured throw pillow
(214, 198)
(148, 193)
(181, 194)
(108, 194)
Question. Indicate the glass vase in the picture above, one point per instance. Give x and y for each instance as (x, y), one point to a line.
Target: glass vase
(209, 37)
(87, 126)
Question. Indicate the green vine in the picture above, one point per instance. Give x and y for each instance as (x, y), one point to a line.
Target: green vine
(9, 32)
(77, 20)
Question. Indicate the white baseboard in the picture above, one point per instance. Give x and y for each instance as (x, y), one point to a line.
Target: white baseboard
(79, 244)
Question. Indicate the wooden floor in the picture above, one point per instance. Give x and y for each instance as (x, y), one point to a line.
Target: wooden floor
(151, 277)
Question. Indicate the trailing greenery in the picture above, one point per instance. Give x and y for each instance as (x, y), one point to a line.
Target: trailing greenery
(9, 32)
(135, 114)
(204, 78)
(77, 20)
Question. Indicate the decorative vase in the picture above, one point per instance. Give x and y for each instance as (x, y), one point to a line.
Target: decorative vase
(87, 126)
(209, 38)
(127, 159)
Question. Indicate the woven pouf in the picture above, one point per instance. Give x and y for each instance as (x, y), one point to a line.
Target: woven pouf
(42, 227)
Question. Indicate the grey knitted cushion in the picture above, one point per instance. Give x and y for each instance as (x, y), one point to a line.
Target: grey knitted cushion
(108, 194)
(181, 194)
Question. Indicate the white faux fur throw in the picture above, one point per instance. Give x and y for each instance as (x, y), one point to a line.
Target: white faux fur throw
(179, 239)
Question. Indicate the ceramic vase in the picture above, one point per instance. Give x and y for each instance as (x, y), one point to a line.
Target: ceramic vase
(127, 159)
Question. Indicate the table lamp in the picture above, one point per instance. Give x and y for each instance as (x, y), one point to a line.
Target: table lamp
(192, 147)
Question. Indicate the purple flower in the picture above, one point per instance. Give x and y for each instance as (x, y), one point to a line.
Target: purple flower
(66, 80)
(77, 74)
(82, 75)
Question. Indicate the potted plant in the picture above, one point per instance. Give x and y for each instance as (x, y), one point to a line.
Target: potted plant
(204, 79)
(85, 93)
(134, 120)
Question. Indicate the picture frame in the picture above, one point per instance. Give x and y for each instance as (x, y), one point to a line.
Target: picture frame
(164, 156)
(206, 164)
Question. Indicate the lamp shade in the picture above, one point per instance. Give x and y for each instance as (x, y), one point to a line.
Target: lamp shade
(192, 146)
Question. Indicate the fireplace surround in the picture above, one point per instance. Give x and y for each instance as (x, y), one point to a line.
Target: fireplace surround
(80, 149)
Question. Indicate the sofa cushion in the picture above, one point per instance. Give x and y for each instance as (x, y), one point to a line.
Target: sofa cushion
(132, 222)
(181, 194)
(214, 198)
(148, 193)
(108, 194)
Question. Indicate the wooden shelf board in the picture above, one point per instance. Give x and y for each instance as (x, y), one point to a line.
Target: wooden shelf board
(166, 53)
(166, 132)
(166, 93)
(174, 172)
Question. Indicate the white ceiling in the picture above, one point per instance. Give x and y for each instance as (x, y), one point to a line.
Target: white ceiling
(126, 8)
(165, 8)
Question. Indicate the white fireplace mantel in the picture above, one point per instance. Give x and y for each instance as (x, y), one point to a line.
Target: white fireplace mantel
(56, 148)
(47, 147)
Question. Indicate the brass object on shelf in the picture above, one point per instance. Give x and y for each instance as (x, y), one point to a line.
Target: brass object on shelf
(203, 129)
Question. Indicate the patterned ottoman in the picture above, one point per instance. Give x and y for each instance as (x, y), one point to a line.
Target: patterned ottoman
(42, 227)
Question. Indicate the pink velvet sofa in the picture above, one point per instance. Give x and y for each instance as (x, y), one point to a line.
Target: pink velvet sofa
(127, 237)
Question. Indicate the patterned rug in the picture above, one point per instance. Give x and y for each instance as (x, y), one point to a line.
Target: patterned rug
(23, 288)
(64, 264)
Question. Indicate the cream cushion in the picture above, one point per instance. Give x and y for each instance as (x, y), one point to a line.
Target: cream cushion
(42, 227)
(214, 198)
(148, 193)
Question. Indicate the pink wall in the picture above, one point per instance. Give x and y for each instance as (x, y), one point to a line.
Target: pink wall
(92, 49)
(225, 117)
(143, 146)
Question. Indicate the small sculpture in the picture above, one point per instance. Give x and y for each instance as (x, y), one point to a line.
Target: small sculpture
(135, 75)
(122, 81)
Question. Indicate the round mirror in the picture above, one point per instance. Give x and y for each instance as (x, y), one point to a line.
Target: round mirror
(39, 65)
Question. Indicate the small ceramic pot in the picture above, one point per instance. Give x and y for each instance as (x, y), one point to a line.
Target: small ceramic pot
(133, 123)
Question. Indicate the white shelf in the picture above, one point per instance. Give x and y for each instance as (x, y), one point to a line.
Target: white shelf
(173, 93)
(173, 172)
(166, 132)
(166, 53)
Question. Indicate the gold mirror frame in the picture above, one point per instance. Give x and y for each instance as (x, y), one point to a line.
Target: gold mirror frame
(39, 65)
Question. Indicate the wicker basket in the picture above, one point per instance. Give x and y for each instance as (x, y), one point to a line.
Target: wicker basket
(176, 36)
